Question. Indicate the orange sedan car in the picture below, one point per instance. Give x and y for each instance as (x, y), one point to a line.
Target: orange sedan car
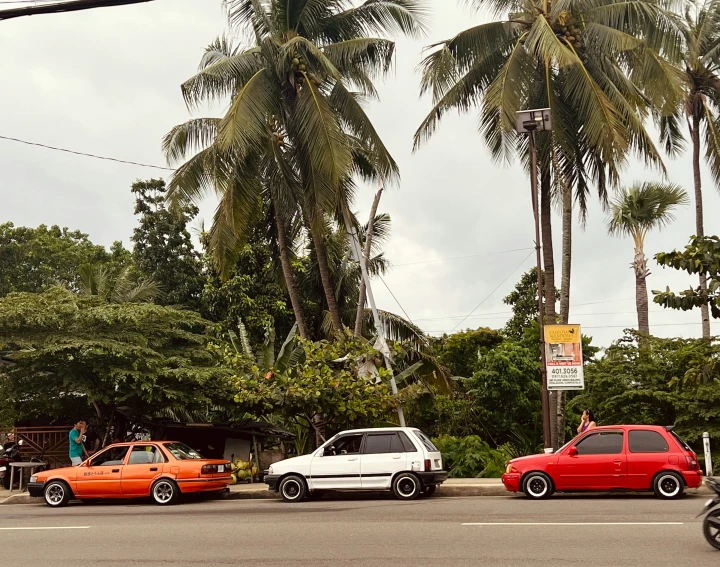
(159, 469)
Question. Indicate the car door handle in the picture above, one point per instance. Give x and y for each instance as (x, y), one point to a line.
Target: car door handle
(116, 470)
(618, 463)
(153, 469)
(397, 457)
(353, 459)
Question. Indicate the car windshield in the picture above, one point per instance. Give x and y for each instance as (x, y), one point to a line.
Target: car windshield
(182, 452)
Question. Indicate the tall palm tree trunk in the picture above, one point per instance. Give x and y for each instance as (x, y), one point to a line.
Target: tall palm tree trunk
(641, 296)
(565, 293)
(699, 224)
(549, 279)
(321, 253)
(360, 314)
(288, 273)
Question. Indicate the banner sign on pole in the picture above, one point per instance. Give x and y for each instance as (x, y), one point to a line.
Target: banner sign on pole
(563, 357)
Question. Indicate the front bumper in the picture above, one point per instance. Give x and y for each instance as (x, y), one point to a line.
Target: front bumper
(511, 481)
(272, 481)
(36, 489)
(432, 478)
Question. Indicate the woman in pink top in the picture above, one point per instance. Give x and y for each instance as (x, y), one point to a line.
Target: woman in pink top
(587, 421)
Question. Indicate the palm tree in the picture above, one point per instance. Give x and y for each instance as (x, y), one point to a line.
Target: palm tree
(583, 59)
(295, 120)
(634, 213)
(98, 281)
(699, 75)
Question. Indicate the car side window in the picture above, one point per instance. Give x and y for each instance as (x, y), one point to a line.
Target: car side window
(601, 443)
(347, 445)
(145, 455)
(644, 441)
(378, 443)
(407, 443)
(111, 457)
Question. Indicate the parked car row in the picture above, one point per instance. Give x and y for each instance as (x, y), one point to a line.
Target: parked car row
(402, 460)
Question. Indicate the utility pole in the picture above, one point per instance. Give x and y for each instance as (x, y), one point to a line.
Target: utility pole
(529, 122)
(58, 7)
(360, 258)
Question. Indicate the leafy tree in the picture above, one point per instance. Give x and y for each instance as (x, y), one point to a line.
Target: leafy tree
(635, 212)
(701, 256)
(524, 303)
(100, 282)
(35, 259)
(470, 457)
(460, 352)
(325, 383)
(163, 251)
(70, 350)
(252, 292)
(699, 77)
(506, 391)
(658, 382)
(295, 132)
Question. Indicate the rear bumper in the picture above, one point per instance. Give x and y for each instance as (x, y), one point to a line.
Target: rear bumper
(272, 481)
(693, 479)
(432, 478)
(511, 481)
(36, 489)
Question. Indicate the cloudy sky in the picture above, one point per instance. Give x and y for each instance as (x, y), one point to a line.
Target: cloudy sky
(107, 82)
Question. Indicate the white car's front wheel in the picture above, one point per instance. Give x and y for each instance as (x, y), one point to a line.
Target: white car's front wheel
(293, 488)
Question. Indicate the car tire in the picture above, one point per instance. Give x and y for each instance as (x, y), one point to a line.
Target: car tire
(537, 486)
(164, 492)
(57, 494)
(710, 528)
(428, 491)
(293, 488)
(406, 486)
(668, 485)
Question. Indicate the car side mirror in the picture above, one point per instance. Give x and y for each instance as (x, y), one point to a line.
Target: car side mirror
(572, 451)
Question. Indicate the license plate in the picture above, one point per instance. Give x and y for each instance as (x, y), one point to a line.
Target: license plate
(221, 468)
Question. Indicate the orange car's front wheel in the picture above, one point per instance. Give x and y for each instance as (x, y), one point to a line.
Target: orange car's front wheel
(57, 494)
(164, 491)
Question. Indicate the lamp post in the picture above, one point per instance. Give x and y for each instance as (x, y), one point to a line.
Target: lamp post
(529, 122)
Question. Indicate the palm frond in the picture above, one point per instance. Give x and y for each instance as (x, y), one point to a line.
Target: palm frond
(407, 17)
(644, 207)
(189, 138)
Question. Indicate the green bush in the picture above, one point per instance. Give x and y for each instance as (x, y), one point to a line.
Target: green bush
(470, 457)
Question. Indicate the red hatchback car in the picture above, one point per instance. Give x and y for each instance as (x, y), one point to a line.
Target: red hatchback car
(618, 457)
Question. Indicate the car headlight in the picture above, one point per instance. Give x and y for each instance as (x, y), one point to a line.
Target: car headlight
(508, 468)
(33, 478)
(270, 471)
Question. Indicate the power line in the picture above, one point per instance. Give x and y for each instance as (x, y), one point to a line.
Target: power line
(494, 290)
(630, 326)
(462, 257)
(395, 298)
(500, 315)
(83, 153)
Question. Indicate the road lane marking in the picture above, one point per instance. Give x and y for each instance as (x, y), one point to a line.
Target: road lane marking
(51, 528)
(573, 524)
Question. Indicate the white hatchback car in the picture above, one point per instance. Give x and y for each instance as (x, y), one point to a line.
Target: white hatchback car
(399, 458)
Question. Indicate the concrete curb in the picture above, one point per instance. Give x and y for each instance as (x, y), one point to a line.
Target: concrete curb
(466, 489)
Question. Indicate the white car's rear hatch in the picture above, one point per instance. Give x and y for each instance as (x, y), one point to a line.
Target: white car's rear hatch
(430, 450)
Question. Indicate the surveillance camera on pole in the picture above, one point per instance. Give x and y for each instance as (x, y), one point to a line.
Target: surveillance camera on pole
(529, 122)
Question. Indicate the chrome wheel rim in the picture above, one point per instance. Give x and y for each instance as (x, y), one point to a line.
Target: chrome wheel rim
(291, 489)
(668, 486)
(407, 486)
(537, 486)
(163, 492)
(54, 494)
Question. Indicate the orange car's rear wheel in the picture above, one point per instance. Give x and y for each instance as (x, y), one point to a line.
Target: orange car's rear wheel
(164, 491)
(57, 494)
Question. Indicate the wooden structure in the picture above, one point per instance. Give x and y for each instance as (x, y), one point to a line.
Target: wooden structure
(51, 440)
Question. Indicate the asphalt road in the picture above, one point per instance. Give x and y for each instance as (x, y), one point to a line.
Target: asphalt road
(597, 531)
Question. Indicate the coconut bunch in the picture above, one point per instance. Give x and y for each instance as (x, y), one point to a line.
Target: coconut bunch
(242, 470)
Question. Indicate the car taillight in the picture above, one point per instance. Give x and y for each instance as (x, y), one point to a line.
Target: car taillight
(209, 469)
(428, 465)
(692, 463)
